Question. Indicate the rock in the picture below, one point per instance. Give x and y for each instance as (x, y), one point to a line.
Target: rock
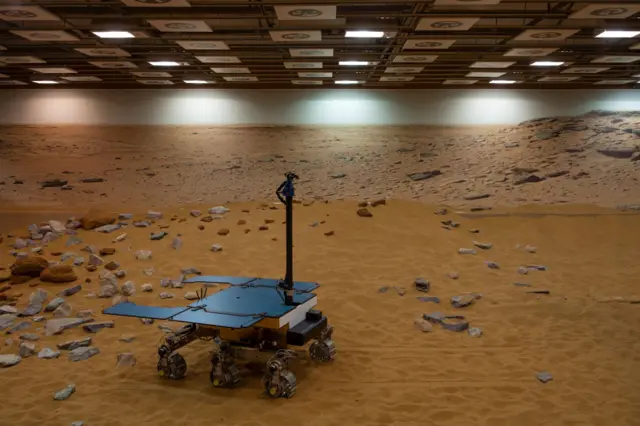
(154, 215)
(216, 248)
(148, 271)
(491, 265)
(107, 229)
(9, 360)
(120, 273)
(6, 321)
(54, 183)
(107, 290)
(483, 246)
(58, 274)
(434, 318)
(190, 271)
(48, 353)
(400, 290)
(57, 326)
(91, 180)
(125, 216)
(223, 231)
(544, 376)
(30, 267)
(453, 275)
(557, 174)
(95, 260)
(450, 223)
(70, 291)
(73, 344)
(83, 353)
(472, 197)
(423, 325)
(466, 251)
(546, 134)
(364, 213)
(218, 210)
(424, 175)
(94, 327)
(7, 309)
(620, 153)
(176, 243)
(529, 179)
(201, 227)
(143, 254)
(128, 288)
(107, 251)
(429, 299)
(146, 321)
(329, 233)
(30, 337)
(142, 224)
(126, 338)
(65, 393)
(17, 327)
(112, 266)
(156, 236)
(206, 219)
(191, 295)
(147, 287)
(422, 285)
(462, 301)
(126, 360)
(338, 176)
(85, 313)
(537, 267)
(263, 228)
(53, 304)
(78, 261)
(64, 310)
(38, 319)
(26, 349)
(522, 285)
(166, 295)
(475, 332)
(377, 203)
(195, 213)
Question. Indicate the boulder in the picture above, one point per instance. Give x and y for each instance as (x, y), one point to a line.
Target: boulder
(95, 219)
(58, 274)
(29, 267)
(58, 325)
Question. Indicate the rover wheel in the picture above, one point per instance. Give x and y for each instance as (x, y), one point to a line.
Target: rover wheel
(225, 377)
(323, 351)
(280, 385)
(172, 367)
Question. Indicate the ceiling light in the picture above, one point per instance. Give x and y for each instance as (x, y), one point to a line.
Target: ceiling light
(356, 63)
(618, 34)
(546, 64)
(164, 63)
(348, 82)
(196, 81)
(364, 34)
(502, 81)
(45, 81)
(113, 34)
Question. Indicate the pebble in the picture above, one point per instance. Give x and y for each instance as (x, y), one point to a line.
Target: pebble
(128, 288)
(142, 224)
(475, 332)
(107, 251)
(191, 295)
(530, 249)
(491, 265)
(462, 301)
(143, 254)
(383, 289)
(154, 215)
(190, 271)
(364, 213)
(216, 248)
(53, 304)
(433, 299)
(218, 210)
(77, 423)
(31, 337)
(466, 251)
(453, 275)
(125, 216)
(147, 287)
(48, 353)
(474, 231)
(85, 313)
(65, 393)
(120, 273)
(73, 241)
(126, 338)
(70, 291)
(146, 321)
(523, 271)
(400, 290)
(95, 260)
(156, 236)
(126, 359)
(9, 360)
(78, 261)
(148, 271)
(94, 327)
(483, 246)
(422, 285)
(74, 344)
(537, 267)
(83, 353)
(423, 325)
(120, 237)
(107, 229)
(166, 295)
(472, 197)
(176, 243)
(544, 376)
(195, 213)
(112, 266)
(225, 231)
(26, 349)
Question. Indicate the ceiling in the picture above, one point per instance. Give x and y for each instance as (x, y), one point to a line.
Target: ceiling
(284, 44)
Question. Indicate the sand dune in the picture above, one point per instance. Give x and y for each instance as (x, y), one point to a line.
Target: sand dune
(387, 372)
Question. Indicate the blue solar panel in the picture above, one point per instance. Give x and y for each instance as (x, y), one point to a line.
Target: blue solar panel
(218, 320)
(129, 309)
(299, 286)
(220, 279)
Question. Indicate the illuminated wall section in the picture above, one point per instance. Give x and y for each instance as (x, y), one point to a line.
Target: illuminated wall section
(304, 107)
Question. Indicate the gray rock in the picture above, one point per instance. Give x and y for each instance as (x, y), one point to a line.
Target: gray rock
(90, 249)
(126, 360)
(64, 310)
(53, 304)
(57, 326)
(154, 215)
(435, 317)
(190, 271)
(422, 285)
(66, 256)
(195, 213)
(95, 260)
(48, 353)
(70, 291)
(218, 210)
(191, 295)
(142, 224)
(216, 247)
(65, 393)
(107, 291)
(92, 180)
(544, 376)
(73, 344)
(147, 287)
(18, 327)
(483, 246)
(432, 299)
(77, 423)
(491, 265)
(38, 296)
(472, 197)
(424, 175)
(9, 360)
(83, 353)
(156, 236)
(537, 267)
(462, 301)
(8, 309)
(120, 274)
(127, 338)
(6, 320)
(107, 229)
(26, 349)
(85, 313)
(143, 254)
(148, 271)
(523, 271)
(78, 261)
(97, 326)
(475, 332)
(125, 216)
(466, 251)
(120, 238)
(128, 288)
(453, 275)
(176, 243)
(338, 175)
(38, 319)
(30, 337)
(19, 244)
(166, 295)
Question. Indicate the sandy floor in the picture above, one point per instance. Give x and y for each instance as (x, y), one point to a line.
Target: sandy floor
(387, 372)
(169, 166)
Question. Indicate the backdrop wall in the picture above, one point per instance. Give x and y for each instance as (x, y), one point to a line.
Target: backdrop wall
(305, 107)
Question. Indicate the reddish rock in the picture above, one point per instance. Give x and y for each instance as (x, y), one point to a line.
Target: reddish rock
(58, 274)
(201, 227)
(30, 266)
(107, 251)
(364, 213)
(223, 231)
(20, 279)
(242, 222)
(96, 219)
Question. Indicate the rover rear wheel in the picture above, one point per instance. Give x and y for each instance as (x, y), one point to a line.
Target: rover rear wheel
(172, 367)
(324, 351)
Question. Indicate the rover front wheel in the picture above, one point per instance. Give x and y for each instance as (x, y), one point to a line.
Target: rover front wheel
(172, 367)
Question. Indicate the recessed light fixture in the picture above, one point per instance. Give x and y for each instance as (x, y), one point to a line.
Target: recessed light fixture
(348, 82)
(197, 81)
(164, 63)
(113, 34)
(618, 34)
(546, 64)
(502, 81)
(45, 81)
(364, 34)
(356, 63)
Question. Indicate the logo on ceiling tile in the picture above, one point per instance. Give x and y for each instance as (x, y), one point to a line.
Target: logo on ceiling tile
(446, 24)
(611, 11)
(305, 13)
(153, 1)
(311, 52)
(546, 35)
(414, 58)
(295, 36)
(180, 26)
(18, 14)
(44, 36)
(429, 44)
